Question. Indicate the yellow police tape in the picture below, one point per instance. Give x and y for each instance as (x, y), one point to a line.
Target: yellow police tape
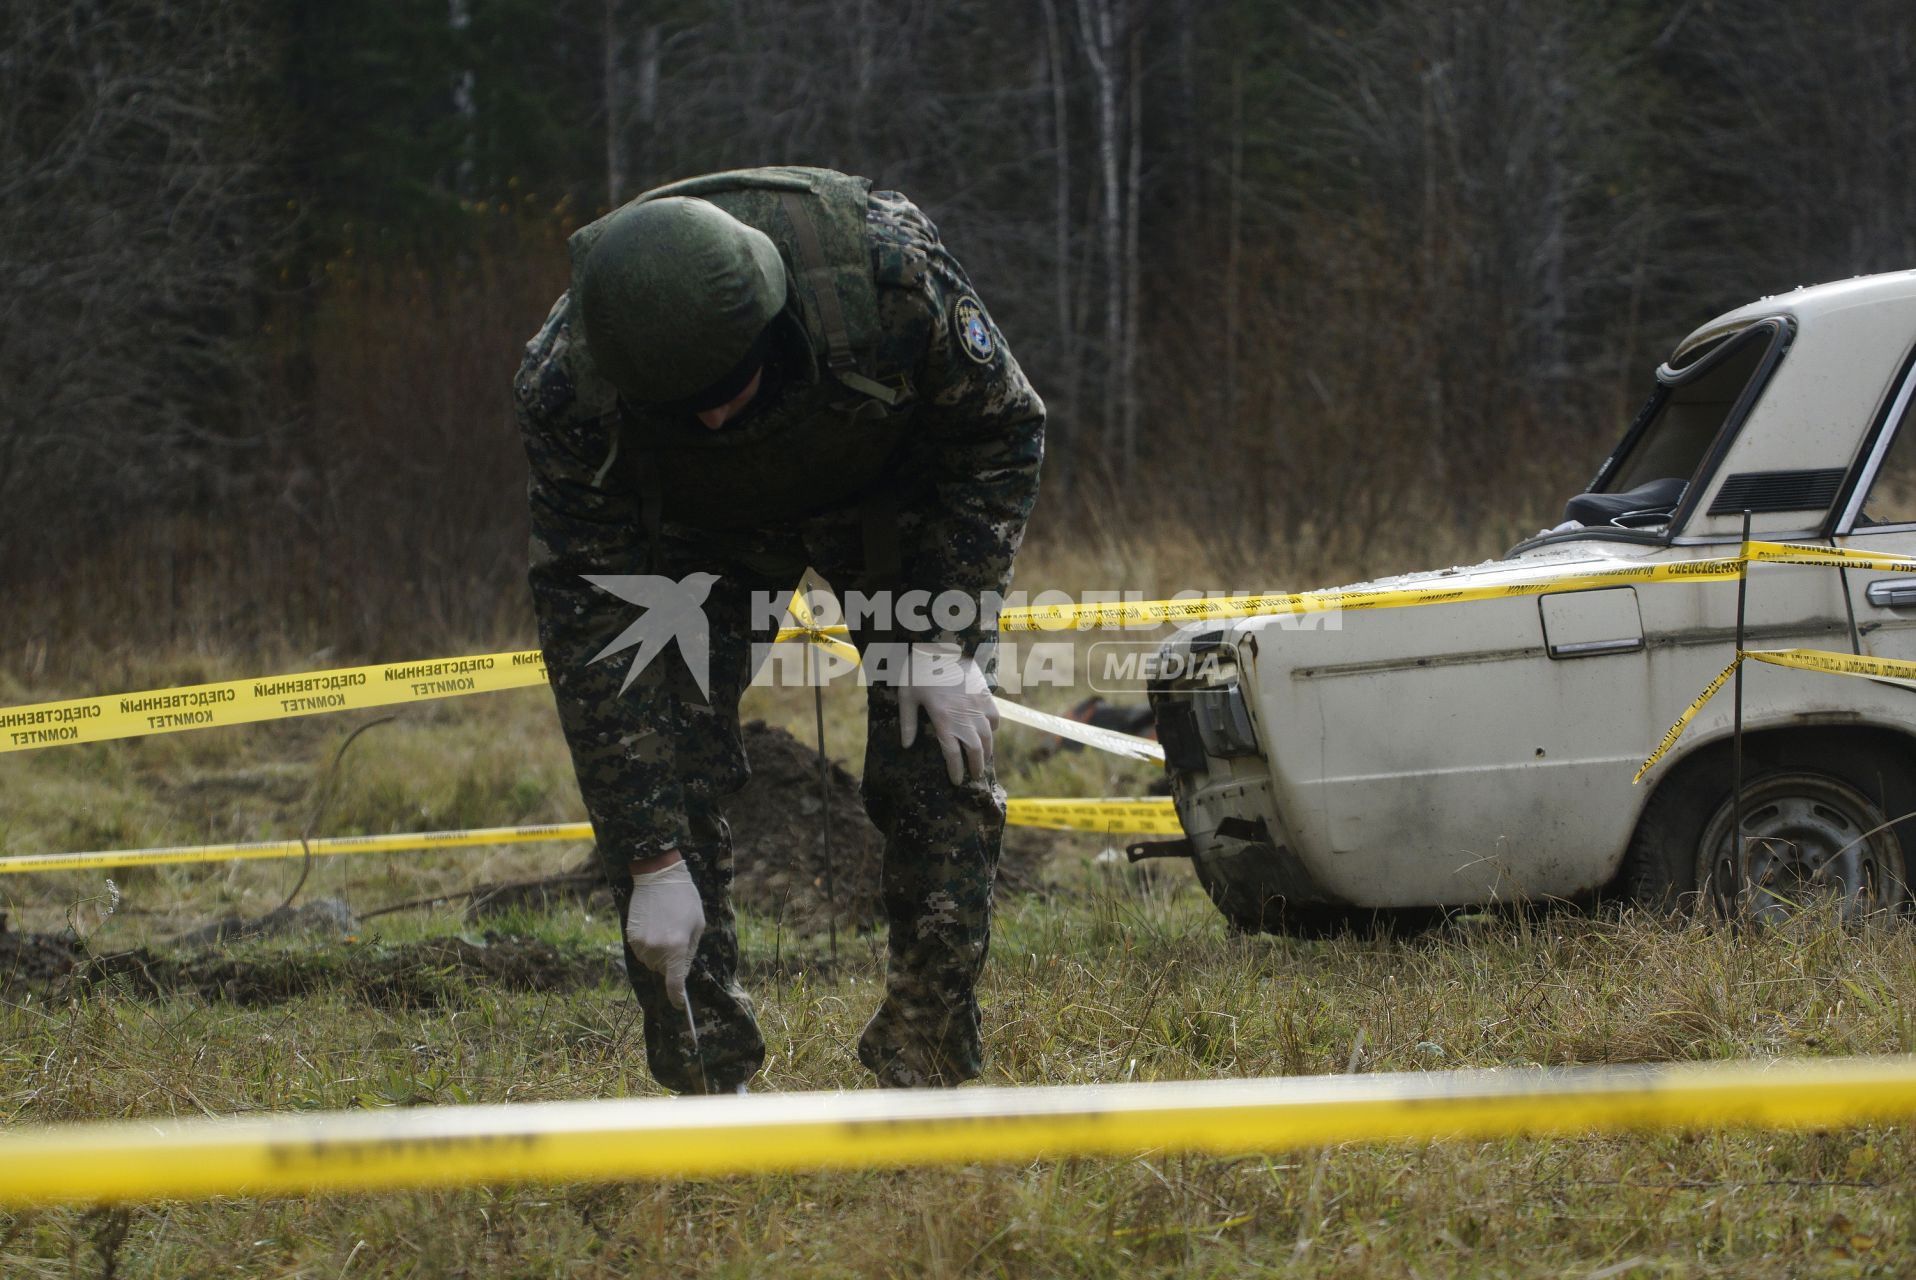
(830, 638)
(1683, 721)
(1840, 664)
(1150, 613)
(824, 638)
(321, 846)
(1835, 557)
(292, 1154)
(1154, 816)
(230, 702)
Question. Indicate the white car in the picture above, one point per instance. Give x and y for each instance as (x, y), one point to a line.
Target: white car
(1483, 751)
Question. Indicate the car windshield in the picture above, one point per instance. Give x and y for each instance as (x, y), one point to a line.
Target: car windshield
(1692, 402)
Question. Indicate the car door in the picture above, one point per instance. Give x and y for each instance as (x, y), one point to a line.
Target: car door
(1881, 518)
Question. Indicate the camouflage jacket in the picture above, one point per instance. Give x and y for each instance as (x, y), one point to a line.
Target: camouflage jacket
(971, 462)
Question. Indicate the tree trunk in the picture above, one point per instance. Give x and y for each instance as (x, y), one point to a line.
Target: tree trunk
(1128, 353)
(1096, 26)
(1068, 344)
(1553, 304)
(1422, 360)
(465, 102)
(1261, 480)
(612, 89)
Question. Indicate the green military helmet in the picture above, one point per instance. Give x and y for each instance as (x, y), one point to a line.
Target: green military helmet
(675, 297)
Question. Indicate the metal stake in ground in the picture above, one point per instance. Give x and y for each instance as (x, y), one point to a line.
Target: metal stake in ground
(1729, 898)
(692, 1025)
(824, 802)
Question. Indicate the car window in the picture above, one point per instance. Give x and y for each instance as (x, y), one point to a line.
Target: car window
(1892, 494)
(1672, 444)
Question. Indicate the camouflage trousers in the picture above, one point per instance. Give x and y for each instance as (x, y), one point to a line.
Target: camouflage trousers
(941, 844)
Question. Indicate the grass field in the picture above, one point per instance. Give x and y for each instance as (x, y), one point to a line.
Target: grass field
(1109, 974)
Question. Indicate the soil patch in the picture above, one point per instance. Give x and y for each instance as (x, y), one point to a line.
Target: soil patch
(777, 821)
(426, 974)
(779, 863)
(35, 963)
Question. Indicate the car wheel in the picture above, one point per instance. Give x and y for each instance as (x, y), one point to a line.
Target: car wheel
(1808, 837)
(1249, 909)
(1814, 827)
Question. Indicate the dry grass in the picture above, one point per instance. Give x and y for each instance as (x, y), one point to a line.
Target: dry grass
(1114, 978)
(1115, 975)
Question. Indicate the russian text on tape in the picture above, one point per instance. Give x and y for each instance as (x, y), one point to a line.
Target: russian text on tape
(1895, 670)
(1683, 721)
(230, 702)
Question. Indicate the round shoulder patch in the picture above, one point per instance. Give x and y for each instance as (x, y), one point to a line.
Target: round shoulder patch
(974, 331)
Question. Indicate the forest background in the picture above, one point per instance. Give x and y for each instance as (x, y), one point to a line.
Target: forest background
(1310, 288)
(1313, 290)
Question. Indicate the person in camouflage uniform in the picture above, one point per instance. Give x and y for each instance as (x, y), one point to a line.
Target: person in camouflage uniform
(879, 363)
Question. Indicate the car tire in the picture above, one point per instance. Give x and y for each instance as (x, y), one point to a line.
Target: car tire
(1250, 910)
(1816, 823)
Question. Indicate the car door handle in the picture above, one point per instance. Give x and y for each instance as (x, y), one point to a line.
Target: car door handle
(1596, 648)
(1892, 593)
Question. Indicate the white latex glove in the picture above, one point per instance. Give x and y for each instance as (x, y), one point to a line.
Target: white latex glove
(664, 924)
(953, 693)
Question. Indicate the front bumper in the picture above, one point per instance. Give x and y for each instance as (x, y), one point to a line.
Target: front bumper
(1221, 781)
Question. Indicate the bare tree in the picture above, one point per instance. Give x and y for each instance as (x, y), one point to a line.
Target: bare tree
(1233, 240)
(1098, 32)
(465, 101)
(1132, 274)
(1065, 392)
(1803, 138)
(1467, 136)
(629, 68)
(612, 82)
(131, 232)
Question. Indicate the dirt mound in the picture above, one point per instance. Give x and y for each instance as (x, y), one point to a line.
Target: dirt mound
(418, 975)
(777, 822)
(35, 963)
(779, 852)
(429, 973)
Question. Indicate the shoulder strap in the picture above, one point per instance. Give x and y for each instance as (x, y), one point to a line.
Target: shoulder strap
(839, 357)
(811, 252)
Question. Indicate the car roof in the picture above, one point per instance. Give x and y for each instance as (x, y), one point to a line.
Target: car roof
(1806, 303)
